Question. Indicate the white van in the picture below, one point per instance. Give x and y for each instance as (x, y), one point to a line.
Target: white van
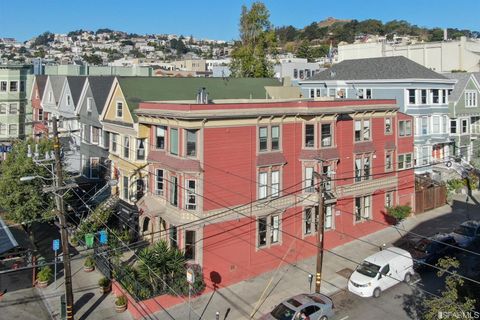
(381, 271)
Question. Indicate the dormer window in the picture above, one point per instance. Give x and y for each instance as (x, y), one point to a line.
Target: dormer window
(119, 110)
(89, 104)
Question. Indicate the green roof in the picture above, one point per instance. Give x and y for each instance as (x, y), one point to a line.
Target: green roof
(139, 89)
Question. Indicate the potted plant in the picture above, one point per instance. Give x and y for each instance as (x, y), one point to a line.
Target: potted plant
(44, 276)
(74, 241)
(105, 285)
(399, 212)
(89, 264)
(121, 303)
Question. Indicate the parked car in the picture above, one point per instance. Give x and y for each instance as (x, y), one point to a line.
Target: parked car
(314, 306)
(427, 251)
(466, 233)
(381, 271)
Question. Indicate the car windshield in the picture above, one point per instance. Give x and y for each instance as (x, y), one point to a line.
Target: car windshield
(368, 269)
(282, 312)
(465, 231)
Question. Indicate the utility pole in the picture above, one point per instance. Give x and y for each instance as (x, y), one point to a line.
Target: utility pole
(63, 224)
(320, 233)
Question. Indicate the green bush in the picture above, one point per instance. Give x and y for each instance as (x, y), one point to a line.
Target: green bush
(399, 212)
(121, 301)
(89, 262)
(104, 282)
(455, 185)
(45, 274)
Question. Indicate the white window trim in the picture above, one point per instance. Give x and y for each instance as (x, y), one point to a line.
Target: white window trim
(91, 170)
(116, 109)
(193, 192)
(471, 95)
(159, 192)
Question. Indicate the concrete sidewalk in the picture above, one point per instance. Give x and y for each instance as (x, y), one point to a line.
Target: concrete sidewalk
(262, 293)
(89, 302)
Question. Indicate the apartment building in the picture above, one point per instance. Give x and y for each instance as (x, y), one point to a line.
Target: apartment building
(233, 182)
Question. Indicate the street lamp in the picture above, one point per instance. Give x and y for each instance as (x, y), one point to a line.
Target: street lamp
(30, 178)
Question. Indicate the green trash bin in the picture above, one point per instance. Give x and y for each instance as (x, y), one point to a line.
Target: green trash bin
(63, 307)
(89, 237)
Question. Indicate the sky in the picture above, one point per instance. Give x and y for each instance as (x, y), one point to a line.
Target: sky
(218, 19)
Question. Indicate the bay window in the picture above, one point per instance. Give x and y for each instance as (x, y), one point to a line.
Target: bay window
(190, 195)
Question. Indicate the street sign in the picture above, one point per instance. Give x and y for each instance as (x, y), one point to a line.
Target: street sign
(56, 244)
(190, 276)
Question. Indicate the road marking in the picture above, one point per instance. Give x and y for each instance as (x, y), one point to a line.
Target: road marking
(344, 318)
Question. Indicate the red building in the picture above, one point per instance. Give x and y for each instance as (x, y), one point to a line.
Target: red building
(232, 183)
(39, 117)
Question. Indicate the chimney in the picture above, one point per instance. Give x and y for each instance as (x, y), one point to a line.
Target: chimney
(202, 96)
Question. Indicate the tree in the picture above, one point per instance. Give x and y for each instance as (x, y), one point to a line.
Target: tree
(43, 39)
(93, 59)
(305, 51)
(451, 305)
(24, 201)
(257, 41)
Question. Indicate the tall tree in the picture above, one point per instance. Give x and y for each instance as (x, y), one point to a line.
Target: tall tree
(24, 201)
(257, 41)
(305, 51)
(451, 305)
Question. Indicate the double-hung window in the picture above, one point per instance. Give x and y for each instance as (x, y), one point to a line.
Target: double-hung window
(119, 109)
(174, 141)
(362, 130)
(435, 124)
(470, 99)
(190, 241)
(364, 93)
(3, 129)
(275, 138)
(275, 184)
(191, 195)
(3, 86)
(174, 191)
(404, 161)
(13, 129)
(191, 143)
(13, 86)
(126, 188)
(126, 147)
(310, 220)
(3, 108)
(404, 128)
(159, 182)
(453, 126)
(388, 199)
(95, 135)
(114, 138)
(423, 96)
(388, 125)
(424, 125)
(141, 149)
(464, 126)
(262, 185)
(269, 184)
(436, 96)
(326, 131)
(160, 137)
(268, 230)
(13, 108)
(388, 161)
(363, 208)
(309, 182)
(362, 168)
(263, 138)
(309, 135)
(412, 96)
(328, 223)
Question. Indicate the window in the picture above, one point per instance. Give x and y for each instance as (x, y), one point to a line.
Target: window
(362, 168)
(174, 141)
(411, 96)
(310, 220)
(13, 86)
(263, 138)
(264, 225)
(301, 76)
(309, 182)
(332, 92)
(388, 125)
(13, 108)
(308, 311)
(295, 73)
(423, 96)
(362, 130)
(119, 109)
(275, 184)
(364, 93)
(262, 185)
(475, 124)
(159, 186)
(3, 108)
(140, 149)
(190, 195)
(22, 86)
(190, 245)
(453, 126)
(125, 188)
(275, 143)
(388, 199)
(40, 114)
(326, 134)
(470, 99)
(404, 161)
(328, 223)
(312, 93)
(389, 161)
(13, 129)
(50, 96)
(424, 125)
(464, 126)
(114, 142)
(444, 96)
(307, 73)
(3, 86)
(69, 100)
(319, 94)
(424, 156)
(191, 143)
(405, 128)
(436, 124)
(174, 191)
(160, 137)
(435, 96)
(309, 135)
(126, 147)
(94, 168)
(3, 129)
(327, 183)
(89, 104)
(362, 208)
(95, 135)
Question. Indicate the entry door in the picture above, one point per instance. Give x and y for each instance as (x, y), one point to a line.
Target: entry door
(388, 278)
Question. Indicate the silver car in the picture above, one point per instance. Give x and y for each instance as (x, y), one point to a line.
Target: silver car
(314, 306)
